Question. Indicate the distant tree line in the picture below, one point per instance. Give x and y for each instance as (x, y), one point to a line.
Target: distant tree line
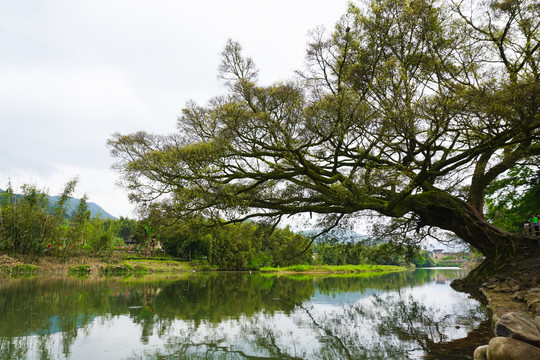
(239, 246)
(31, 226)
(332, 251)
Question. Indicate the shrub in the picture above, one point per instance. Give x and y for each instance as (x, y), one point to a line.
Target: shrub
(24, 268)
(80, 269)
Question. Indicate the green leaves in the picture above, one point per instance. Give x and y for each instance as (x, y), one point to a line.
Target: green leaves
(237, 246)
(403, 99)
(512, 199)
(234, 68)
(30, 226)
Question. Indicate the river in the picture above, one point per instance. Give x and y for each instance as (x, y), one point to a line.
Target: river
(405, 315)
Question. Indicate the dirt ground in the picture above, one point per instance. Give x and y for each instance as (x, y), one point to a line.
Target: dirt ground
(525, 272)
(502, 303)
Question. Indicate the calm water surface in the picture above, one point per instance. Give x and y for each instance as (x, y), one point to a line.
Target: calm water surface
(407, 315)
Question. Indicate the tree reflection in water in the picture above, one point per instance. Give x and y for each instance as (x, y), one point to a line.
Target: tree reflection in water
(242, 316)
(394, 325)
(391, 327)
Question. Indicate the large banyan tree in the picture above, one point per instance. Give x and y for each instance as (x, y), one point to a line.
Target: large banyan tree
(408, 109)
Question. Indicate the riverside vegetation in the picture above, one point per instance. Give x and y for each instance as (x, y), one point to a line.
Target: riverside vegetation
(37, 237)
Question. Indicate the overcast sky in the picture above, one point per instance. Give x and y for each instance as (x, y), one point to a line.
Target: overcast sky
(73, 72)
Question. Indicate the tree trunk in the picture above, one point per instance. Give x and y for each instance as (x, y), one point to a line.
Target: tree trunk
(447, 212)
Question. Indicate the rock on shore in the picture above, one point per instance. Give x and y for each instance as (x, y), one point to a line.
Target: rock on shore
(517, 338)
(516, 313)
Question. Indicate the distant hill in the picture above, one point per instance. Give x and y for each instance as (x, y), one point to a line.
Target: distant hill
(94, 208)
(342, 235)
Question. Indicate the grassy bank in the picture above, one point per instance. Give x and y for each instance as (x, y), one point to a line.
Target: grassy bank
(86, 265)
(323, 269)
(119, 265)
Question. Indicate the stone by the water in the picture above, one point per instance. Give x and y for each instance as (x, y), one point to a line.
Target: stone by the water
(480, 353)
(518, 326)
(503, 348)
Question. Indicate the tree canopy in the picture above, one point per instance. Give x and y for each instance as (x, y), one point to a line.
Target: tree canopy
(408, 108)
(514, 197)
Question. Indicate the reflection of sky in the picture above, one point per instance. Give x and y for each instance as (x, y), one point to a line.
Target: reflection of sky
(339, 299)
(119, 338)
(432, 292)
(55, 325)
(109, 339)
(446, 304)
(303, 333)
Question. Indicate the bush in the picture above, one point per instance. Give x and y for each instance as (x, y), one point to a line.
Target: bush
(79, 269)
(117, 269)
(24, 268)
(201, 265)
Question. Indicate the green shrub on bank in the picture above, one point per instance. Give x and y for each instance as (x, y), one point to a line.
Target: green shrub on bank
(19, 269)
(79, 270)
(202, 265)
(124, 268)
(24, 268)
(334, 268)
(139, 268)
(115, 270)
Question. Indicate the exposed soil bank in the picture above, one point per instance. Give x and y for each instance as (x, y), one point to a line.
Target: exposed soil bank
(503, 289)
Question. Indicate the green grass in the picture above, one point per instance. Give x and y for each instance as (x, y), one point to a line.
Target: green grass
(162, 265)
(79, 270)
(139, 268)
(24, 268)
(122, 269)
(334, 268)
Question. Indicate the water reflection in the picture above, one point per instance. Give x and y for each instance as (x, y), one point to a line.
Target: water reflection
(406, 315)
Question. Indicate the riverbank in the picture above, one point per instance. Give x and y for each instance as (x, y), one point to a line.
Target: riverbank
(512, 294)
(116, 264)
(508, 291)
(328, 269)
(505, 290)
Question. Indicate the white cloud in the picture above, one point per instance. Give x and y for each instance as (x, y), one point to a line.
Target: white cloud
(74, 72)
